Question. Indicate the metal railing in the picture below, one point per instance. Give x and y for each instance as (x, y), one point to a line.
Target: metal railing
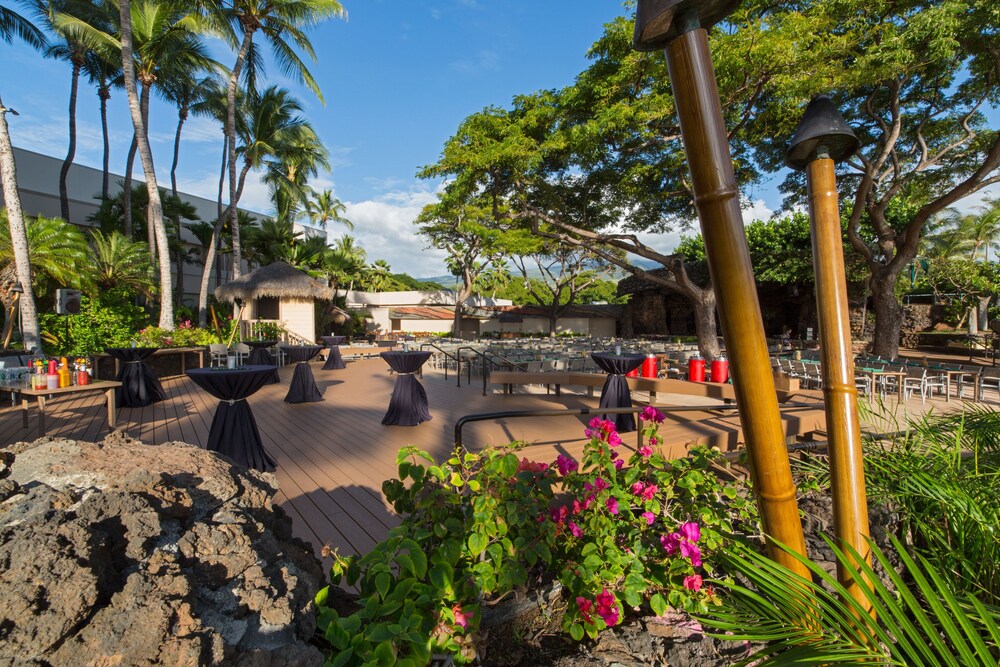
(581, 412)
(458, 361)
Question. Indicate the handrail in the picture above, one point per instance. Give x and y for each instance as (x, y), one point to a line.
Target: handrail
(468, 366)
(506, 414)
(458, 361)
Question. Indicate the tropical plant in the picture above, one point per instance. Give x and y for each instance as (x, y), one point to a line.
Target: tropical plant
(14, 25)
(323, 208)
(59, 256)
(119, 262)
(377, 275)
(107, 319)
(282, 23)
(483, 524)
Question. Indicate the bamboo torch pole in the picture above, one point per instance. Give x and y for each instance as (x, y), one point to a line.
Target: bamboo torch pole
(679, 26)
(822, 139)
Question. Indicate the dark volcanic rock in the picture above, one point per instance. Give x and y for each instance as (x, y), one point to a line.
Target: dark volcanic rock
(119, 553)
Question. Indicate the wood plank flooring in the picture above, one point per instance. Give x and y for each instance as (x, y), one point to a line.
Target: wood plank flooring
(334, 455)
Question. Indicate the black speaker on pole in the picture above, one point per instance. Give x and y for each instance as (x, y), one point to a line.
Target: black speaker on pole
(68, 301)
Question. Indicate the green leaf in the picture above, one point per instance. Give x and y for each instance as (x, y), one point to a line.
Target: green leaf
(382, 582)
(658, 604)
(477, 543)
(576, 631)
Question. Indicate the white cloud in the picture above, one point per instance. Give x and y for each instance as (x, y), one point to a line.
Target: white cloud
(384, 228)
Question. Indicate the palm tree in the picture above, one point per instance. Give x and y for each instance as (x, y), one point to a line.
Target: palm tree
(282, 23)
(14, 25)
(323, 208)
(344, 261)
(190, 93)
(104, 74)
(378, 275)
(983, 230)
(59, 254)
(120, 262)
(300, 157)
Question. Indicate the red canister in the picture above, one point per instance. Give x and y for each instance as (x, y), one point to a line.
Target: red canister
(696, 369)
(720, 370)
(634, 373)
(649, 366)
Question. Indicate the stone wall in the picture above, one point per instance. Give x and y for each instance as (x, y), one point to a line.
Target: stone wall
(119, 553)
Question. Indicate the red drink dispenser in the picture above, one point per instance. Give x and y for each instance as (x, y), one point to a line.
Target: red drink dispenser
(634, 373)
(696, 369)
(649, 366)
(720, 370)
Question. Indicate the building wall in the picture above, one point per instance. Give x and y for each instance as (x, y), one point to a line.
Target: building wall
(587, 326)
(436, 326)
(299, 317)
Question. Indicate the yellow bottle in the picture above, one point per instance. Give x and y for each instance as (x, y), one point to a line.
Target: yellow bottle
(64, 377)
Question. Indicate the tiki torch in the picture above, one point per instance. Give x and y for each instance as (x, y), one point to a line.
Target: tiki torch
(822, 139)
(680, 28)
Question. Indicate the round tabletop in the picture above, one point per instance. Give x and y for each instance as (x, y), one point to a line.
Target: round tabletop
(301, 353)
(260, 344)
(406, 362)
(128, 354)
(617, 364)
(231, 384)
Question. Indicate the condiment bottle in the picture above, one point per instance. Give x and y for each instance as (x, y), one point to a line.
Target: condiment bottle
(64, 378)
(52, 378)
(82, 372)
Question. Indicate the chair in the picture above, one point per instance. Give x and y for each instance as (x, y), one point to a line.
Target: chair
(989, 378)
(278, 354)
(219, 353)
(241, 351)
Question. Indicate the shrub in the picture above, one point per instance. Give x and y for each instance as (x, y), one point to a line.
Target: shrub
(182, 336)
(617, 537)
(107, 319)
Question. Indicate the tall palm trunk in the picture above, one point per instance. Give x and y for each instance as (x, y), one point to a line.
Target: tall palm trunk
(104, 93)
(182, 113)
(213, 246)
(234, 78)
(71, 152)
(18, 235)
(127, 191)
(155, 209)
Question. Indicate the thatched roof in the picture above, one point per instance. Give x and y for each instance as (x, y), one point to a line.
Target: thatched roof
(274, 280)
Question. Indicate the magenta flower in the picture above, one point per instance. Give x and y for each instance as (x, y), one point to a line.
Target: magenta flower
(607, 607)
(559, 514)
(649, 517)
(653, 441)
(693, 582)
(650, 492)
(619, 464)
(531, 466)
(637, 488)
(600, 484)
(577, 506)
(690, 531)
(566, 465)
(671, 543)
(614, 439)
(651, 414)
(596, 423)
(645, 451)
(585, 606)
(588, 500)
(691, 552)
(575, 529)
(612, 504)
(614, 455)
(461, 618)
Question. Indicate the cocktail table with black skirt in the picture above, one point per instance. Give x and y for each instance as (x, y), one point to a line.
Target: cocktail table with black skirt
(408, 403)
(140, 386)
(303, 387)
(260, 356)
(234, 431)
(334, 362)
(615, 393)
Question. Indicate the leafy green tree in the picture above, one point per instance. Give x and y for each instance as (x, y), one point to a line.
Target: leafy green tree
(324, 208)
(119, 263)
(59, 256)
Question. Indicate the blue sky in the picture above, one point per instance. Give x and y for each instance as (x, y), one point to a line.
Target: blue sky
(398, 77)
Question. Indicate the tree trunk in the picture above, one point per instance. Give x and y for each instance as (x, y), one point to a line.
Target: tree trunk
(983, 312)
(18, 235)
(553, 320)
(71, 153)
(705, 327)
(127, 187)
(179, 256)
(155, 209)
(234, 78)
(888, 314)
(463, 294)
(210, 253)
(104, 94)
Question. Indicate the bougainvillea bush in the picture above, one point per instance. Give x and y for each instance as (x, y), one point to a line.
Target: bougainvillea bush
(623, 532)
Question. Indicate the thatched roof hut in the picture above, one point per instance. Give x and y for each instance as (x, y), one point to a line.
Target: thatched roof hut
(278, 280)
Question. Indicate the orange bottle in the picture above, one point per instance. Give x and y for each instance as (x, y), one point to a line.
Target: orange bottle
(64, 378)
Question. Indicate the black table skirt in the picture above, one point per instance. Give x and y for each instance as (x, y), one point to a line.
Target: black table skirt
(234, 432)
(259, 356)
(334, 360)
(408, 404)
(140, 386)
(616, 393)
(303, 387)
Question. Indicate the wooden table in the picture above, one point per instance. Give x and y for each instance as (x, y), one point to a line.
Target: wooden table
(958, 373)
(107, 386)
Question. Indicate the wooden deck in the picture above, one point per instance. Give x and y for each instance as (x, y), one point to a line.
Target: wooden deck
(334, 455)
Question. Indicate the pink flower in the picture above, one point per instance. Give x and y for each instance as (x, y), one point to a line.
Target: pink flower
(461, 619)
(690, 531)
(691, 552)
(649, 517)
(559, 514)
(650, 413)
(650, 492)
(637, 488)
(600, 484)
(612, 504)
(585, 606)
(653, 441)
(531, 466)
(671, 543)
(645, 451)
(693, 582)
(614, 455)
(588, 500)
(619, 463)
(566, 465)
(575, 529)
(607, 607)
(596, 423)
(577, 506)
(614, 439)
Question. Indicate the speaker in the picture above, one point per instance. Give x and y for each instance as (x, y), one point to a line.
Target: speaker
(68, 301)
